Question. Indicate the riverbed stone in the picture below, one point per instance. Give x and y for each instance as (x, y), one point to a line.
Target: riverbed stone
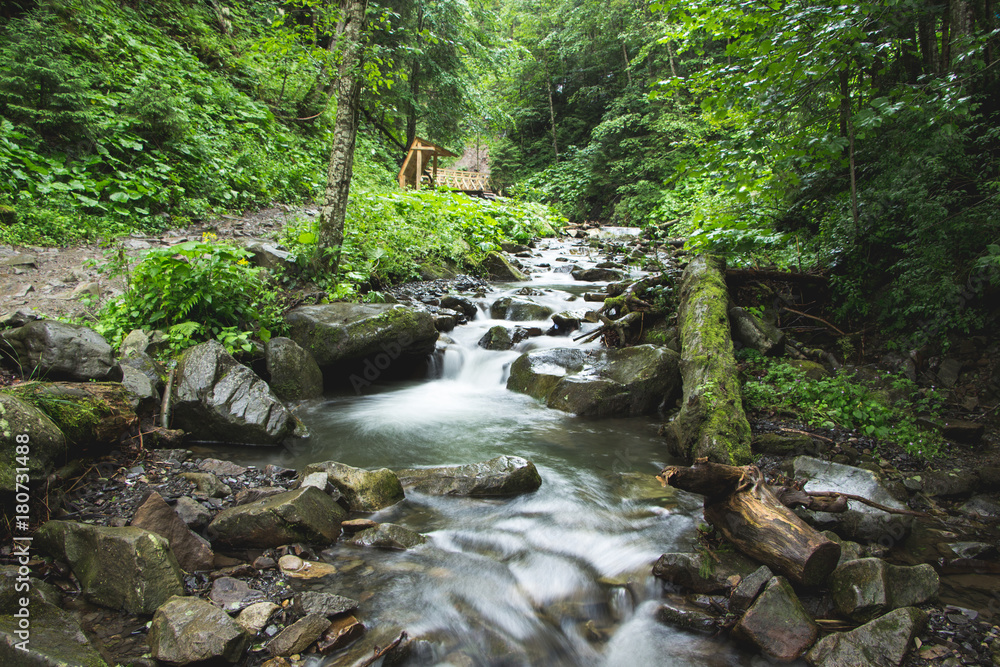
(233, 595)
(519, 309)
(57, 350)
(501, 338)
(295, 375)
(328, 604)
(869, 587)
(597, 275)
(187, 629)
(687, 616)
(882, 642)
(119, 568)
(216, 398)
(848, 550)
(364, 490)
(501, 476)
(143, 394)
(47, 443)
(207, 485)
(461, 304)
(861, 522)
(388, 536)
(254, 618)
(700, 573)
(499, 268)
(777, 623)
(192, 551)
(948, 482)
(599, 383)
(298, 636)
(343, 333)
(303, 515)
(749, 588)
(192, 513)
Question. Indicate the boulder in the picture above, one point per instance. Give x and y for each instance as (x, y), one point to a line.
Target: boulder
(519, 309)
(119, 568)
(755, 334)
(879, 643)
(365, 490)
(848, 550)
(948, 482)
(218, 399)
(303, 515)
(273, 258)
(327, 604)
(188, 629)
(499, 268)
(145, 364)
(192, 513)
(600, 383)
(388, 536)
(88, 413)
(687, 616)
(501, 338)
(700, 573)
(777, 623)
(144, 343)
(47, 445)
(861, 522)
(749, 588)
(295, 375)
(298, 636)
(192, 551)
(143, 394)
(597, 275)
(501, 476)
(869, 587)
(461, 304)
(565, 322)
(382, 334)
(57, 350)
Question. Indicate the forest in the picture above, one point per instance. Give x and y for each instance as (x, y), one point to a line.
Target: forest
(857, 141)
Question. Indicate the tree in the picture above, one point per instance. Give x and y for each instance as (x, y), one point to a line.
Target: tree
(345, 130)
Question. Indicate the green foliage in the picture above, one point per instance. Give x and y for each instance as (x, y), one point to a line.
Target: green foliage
(886, 412)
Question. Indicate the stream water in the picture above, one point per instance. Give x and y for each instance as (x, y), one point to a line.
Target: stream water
(557, 577)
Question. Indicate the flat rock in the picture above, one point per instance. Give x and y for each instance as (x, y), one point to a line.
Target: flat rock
(749, 588)
(519, 309)
(233, 595)
(155, 515)
(327, 604)
(221, 468)
(596, 275)
(686, 570)
(188, 629)
(254, 618)
(882, 642)
(303, 515)
(365, 490)
(687, 616)
(501, 476)
(388, 536)
(777, 623)
(298, 568)
(298, 636)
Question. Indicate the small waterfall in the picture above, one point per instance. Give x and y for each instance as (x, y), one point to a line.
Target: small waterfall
(476, 366)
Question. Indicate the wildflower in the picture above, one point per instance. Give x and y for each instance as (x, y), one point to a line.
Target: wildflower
(243, 261)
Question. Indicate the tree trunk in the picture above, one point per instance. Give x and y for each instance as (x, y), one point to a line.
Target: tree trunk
(552, 117)
(411, 107)
(345, 131)
(847, 127)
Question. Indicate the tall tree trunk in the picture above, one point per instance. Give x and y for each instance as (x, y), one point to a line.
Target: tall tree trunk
(345, 131)
(411, 107)
(928, 44)
(552, 117)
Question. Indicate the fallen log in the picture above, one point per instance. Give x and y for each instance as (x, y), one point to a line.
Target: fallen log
(742, 507)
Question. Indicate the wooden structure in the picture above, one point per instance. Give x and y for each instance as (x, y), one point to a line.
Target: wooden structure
(420, 168)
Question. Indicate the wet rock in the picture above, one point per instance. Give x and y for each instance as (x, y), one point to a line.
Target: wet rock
(565, 322)
(342, 631)
(192, 513)
(57, 350)
(499, 268)
(298, 636)
(981, 506)
(684, 615)
(519, 309)
(868, 587)
(777, 623)
(948, 482)
(188, 629)
(127, 568)
(755, 334)
(749, 588)
(354, 525)
(17, 318)
(848, 550)
(882, 642)
(295, 375)
(155, 515)
(600, 383)
(218, 399)
(297, 568)
(388, 536)
(143, 395)
(444, 321)
(461, 304)
(701, 574)
(207, 485)
(48, 444)
(303, 515)
(254, 618)
(596, 275)
(321, 481)
(233, 595)
(365, 490)
(501, 476)
(502, 338)
(145, 364)
(327, 604)
(860, 522)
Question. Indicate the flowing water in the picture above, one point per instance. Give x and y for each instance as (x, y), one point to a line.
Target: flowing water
(557, 577)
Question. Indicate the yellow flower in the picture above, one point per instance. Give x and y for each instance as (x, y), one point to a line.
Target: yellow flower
(207, 237)
(243, 261)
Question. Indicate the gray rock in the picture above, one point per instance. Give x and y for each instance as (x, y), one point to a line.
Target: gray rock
(501, 476)
(701, 574)
(388, 536)
(327, 604)
(188, 629)
(565, 322)
(192, 513)
(128, 568)
(777, 623)
(860, 522)
(218, 399)
(21, 259)
(142, 392)
(499, 268)
(193, 553)
(949, 371)
(365, 490)
(254, 618)
(145, 364)
(17, 318)
(749, 588)
(233, 595)
(47, 446)
(755, 334)
(868, 587)
(597, 275)
(461, 304)
(848, 550)
(519, 309)
(57, 350)
(295, 375)
(303, 515)
(207, 484)
(272, 258)
(221, 468)
(879, 643)
(687, 616)
(298, 636)
(600, 383)
(948, 482)
(502, 338)
(982, 506)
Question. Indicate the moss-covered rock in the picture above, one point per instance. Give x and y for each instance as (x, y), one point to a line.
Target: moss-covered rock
(882, 642)
(519, 309)
(303, 515)
(119, 568)
(190, 630)
(365, 490)
(501, 476)
(47, 444)
(388, 536)
(87, 413)
(499, 268)
(295, 375)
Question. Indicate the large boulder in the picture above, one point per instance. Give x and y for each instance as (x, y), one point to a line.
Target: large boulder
(600, 383)
(119, 568)
(519, 309)
(364, 490)
(295, 375)
(861, 522)
(869, 587)
(187, 629)
(879, 643)
(501, 476)
(46, 443)
(57, 350)
(192, 551)
(499, 268)
(303, 515)
(218, 399)
(777, 623)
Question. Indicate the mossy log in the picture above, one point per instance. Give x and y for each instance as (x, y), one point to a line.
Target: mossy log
(711, 423)
(88, 413)
(742, 507)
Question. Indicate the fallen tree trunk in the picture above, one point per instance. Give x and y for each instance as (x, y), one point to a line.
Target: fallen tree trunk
(711, 422)
(741, 506)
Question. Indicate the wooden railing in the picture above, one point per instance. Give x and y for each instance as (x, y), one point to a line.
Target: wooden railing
(467, 181)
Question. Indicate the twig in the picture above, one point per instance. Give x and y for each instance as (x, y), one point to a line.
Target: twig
(811, 435)
(813, 317)
(165, 405)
